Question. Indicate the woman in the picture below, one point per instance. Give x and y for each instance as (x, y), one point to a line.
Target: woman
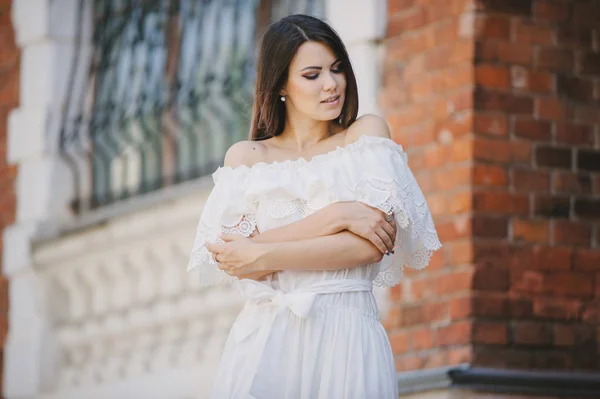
(304, 218)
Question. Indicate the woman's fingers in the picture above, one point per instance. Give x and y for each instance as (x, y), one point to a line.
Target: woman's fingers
(377, 241)
(385, 238)
(390, 231)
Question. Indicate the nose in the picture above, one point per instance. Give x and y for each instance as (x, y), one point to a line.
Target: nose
(329, 83)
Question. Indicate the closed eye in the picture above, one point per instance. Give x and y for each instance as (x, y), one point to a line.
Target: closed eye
(336, 70)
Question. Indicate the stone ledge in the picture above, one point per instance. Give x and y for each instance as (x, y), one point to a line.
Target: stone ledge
(523, 382)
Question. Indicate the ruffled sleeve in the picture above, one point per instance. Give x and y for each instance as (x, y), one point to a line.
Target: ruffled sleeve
(388, 184)
(225, 212)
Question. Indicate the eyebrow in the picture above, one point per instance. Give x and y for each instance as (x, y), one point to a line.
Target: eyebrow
(318, 67)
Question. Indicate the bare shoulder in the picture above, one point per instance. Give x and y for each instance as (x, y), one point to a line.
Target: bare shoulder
(244, 153)
(368, 125)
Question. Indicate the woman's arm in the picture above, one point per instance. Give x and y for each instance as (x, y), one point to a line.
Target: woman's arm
(239, 256)
(333, 252)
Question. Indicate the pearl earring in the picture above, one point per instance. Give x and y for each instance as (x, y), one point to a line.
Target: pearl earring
(283, 98)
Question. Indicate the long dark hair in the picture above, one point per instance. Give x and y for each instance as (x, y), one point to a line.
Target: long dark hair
(279, 45)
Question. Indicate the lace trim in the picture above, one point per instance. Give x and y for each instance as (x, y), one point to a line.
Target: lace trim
(201, 259)
(283, 209)
(416, 239)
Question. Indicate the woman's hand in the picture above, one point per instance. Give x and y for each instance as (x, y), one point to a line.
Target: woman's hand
(370, 224)
(238, 256)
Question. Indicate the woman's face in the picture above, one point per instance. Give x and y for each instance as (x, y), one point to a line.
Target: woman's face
(316, 82)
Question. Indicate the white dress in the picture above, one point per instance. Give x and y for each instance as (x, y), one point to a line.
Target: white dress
(313, 334)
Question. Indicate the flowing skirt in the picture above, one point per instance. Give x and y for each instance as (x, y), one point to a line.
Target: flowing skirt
(337, 350)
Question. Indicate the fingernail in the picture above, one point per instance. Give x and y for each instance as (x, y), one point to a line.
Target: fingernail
(393, 251)
(387, 252)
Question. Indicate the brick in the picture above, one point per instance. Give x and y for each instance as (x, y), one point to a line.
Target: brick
(500, 203)
(536, 231)
(504, 52)
(449, 54)
(572, 233)
(568, 285)
(551, 258)
(492, 333)
(9, 91)
(423, 338)
(447, 179)
(585, 13)
(512, 7)
(585, 114)
(460, 202)
(553, 157)
(492, 254)
(526, 281)
(526, 80)
(591, 313)
(590, 63)
(554, 11)
(455, 282)
(489, 176)
(456, 126)
(460, 355)
(552, 108)
(492, 26)
(409, 362)
(395, 6)
(555, 59)
(489, 226)
(460, 308)
(490, 124)
(520, 307)
(587, 208)
(575, 134)
(420, 314)
(532, 32)
(489, 100)
(568, 182)
(588, 160)
(490, 306)
(460, 150)
(486, 356)
(457, 333)
(423, 287)
(532, 334)
(408, 115)
(412, 18)
(399, 341)
(575, 89)
(546, 205)
(573, 335)
(556, 309)
(456, 228)
(552, 360)
(574, 36)
(492, 76)
(523, 180)
(586, 260)
(526, 127)
(491, 279)
(461, 252)
(514, 152)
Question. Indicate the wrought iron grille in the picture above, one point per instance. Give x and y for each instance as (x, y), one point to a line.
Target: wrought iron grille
(168, 90)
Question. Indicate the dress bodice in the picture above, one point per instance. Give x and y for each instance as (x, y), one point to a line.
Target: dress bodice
(372, 170)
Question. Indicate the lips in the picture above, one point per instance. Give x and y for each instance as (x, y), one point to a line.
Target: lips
(331, 99)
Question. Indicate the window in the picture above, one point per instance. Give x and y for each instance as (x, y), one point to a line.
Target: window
(168, 90)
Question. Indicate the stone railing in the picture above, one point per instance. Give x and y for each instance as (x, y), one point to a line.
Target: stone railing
(121, 305)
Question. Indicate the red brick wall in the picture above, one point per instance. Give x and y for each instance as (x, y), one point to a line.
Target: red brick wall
(498, 105)
(9, 99)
